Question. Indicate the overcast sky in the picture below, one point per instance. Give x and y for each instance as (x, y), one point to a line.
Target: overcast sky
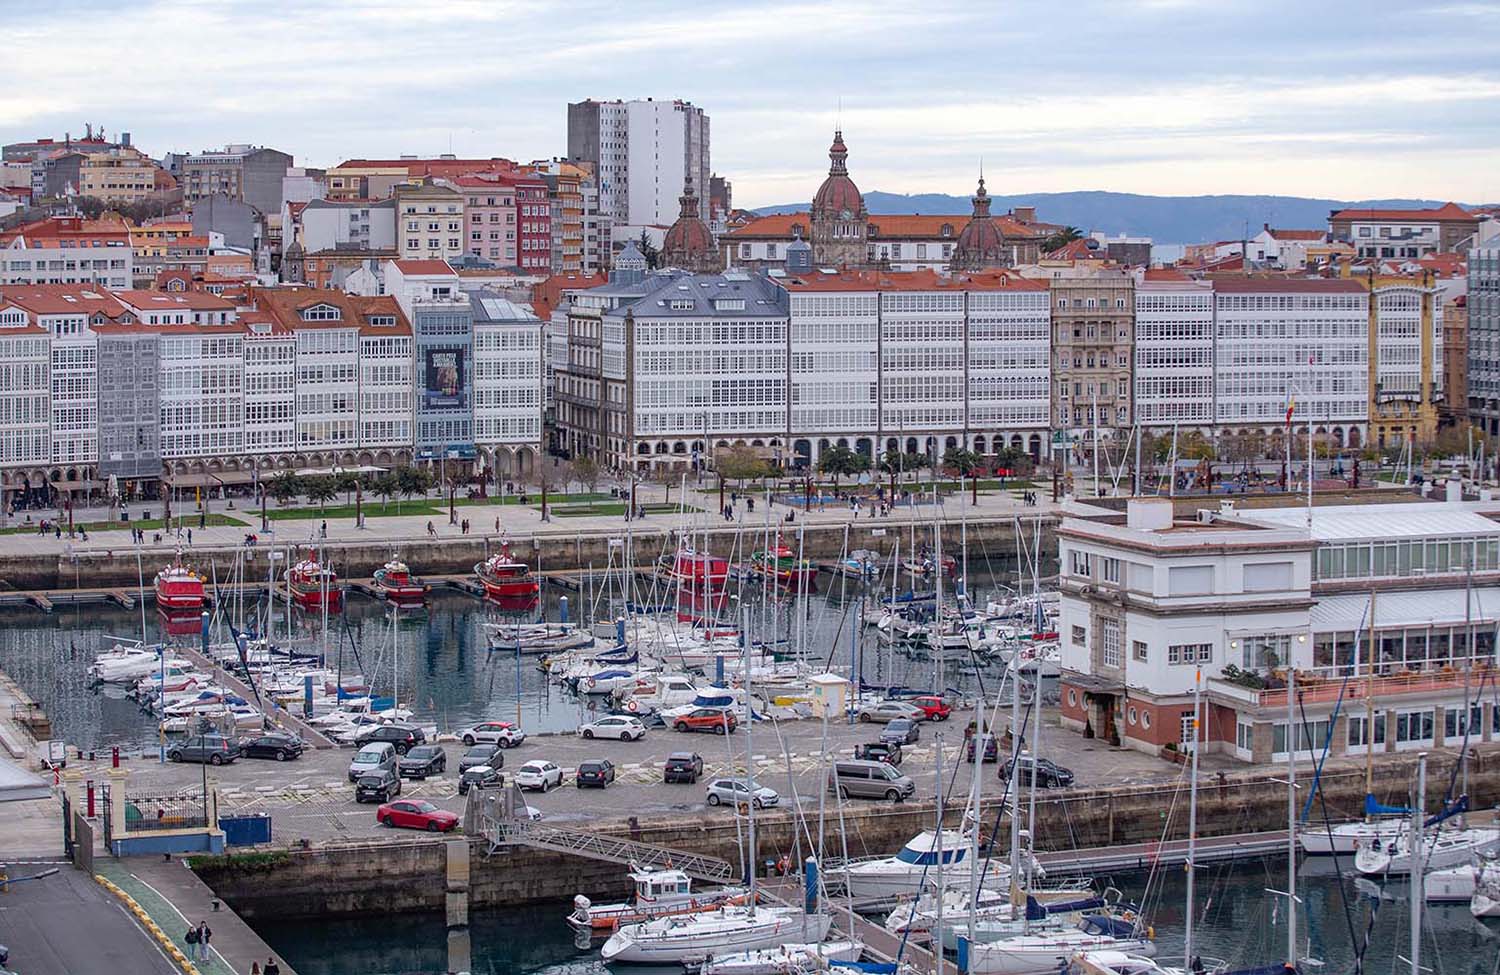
(1313, 98)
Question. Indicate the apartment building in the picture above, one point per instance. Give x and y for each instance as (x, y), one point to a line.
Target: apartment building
(124, 175)
(508, 387)
(442, 324)
(429, 222)
(1151, 600)
(1093, 326)
(1388, 233)
(250, 174)
(643, 151)
(346, 225)
(1483, 305)
(68, 250)
(25, 390)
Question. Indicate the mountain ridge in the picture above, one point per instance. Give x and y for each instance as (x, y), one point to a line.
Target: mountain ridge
(1165, 219)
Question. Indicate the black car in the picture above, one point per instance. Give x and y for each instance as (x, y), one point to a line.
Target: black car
(275, 744)
(479, 777)
(490, 755)
(403, 736)
(683, 767)
(422, 761)
(1048, 775)
(991, 749)
(600, 772)
(377, 786)
(879, 751)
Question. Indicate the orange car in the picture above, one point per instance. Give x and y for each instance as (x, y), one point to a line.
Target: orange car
(706, 719)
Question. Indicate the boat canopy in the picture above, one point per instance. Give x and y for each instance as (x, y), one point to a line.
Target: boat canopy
(1374, 808)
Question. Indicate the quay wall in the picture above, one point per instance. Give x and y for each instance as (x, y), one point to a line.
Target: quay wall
(407, 874)
(552, 549)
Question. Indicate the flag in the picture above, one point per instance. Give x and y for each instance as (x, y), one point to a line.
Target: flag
(1291, 404)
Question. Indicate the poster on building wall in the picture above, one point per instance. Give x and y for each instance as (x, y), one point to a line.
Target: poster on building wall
(445, 378)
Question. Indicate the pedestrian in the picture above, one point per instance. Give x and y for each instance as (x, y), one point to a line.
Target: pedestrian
(190, 536)
(323, 529)
(255, 968)
(497, 524)
(191, 939)
(205, 935)
(271, 967)
(57, 532)
(431, 531)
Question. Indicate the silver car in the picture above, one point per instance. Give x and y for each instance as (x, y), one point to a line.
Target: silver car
(626, 727)
(373, 758)
(889, 711)
(733, 792)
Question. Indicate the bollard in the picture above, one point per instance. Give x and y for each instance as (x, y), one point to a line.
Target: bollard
(114, 756)
(89, 785)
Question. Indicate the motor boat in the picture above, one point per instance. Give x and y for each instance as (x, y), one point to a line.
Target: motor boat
(504, 578)
(674, 940)
(609, 680)
(696, 571)
(239, 716)
(657, 691)
(395, 584)
(860, 564)
(538, 637)
(1037, 660)
(205, 701)
(783, 566)
(784, 959)
(179, 589)
(126, 665)
(1051, 947)
(176, 678)
(314, 586)
(887, 878)
(658, 893)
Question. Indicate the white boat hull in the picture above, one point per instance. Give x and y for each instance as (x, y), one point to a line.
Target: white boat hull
(784, 959)
(1041, 953)
(678, 939)
(1450, 849)
(1345, 839)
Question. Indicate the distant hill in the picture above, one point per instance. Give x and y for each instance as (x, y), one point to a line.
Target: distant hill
(1165, 219)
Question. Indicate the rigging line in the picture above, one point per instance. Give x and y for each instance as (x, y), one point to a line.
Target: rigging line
(1328, 826)
(1369, 634)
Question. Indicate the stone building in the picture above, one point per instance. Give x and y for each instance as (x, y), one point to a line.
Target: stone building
(1092, 324)
(689, 244)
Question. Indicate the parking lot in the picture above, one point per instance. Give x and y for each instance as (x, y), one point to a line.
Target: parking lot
(311, 797)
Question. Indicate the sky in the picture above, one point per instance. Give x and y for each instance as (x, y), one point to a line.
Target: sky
(1326, 98)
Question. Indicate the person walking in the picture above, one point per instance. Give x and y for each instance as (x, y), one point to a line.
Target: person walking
(323, 530)
(271, 967)
(205, 936)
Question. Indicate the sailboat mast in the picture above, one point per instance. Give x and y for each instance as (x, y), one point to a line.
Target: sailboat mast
(749, 751)
(1291, 815)
(1192, 848)
(1415, 897)
(937, 924)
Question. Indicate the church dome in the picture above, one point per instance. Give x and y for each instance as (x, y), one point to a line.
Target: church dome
(689, 244)
(980, 243)
(838, 195)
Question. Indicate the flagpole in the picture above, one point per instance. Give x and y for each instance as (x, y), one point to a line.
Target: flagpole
(1309, 444)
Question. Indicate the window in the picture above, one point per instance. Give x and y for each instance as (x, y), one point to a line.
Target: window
(1190, 580)
(1190, 653)
(1454, 724)
(1110, 643)
(1244, 737)
(1111, 569)
(1138, 650)
(1414, 728)
(1311, 737)
(1359, 731)
(1268, 577)
(1081, 563)
(1080, 637)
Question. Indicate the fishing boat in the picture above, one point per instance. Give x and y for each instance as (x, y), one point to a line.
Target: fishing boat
(674, 940)
(179, 589)
(783, 566)
(859, 564)
(658, 894)
(395, 583)
(504, 578)
(313, 584)
(697, 571)
(784, 959)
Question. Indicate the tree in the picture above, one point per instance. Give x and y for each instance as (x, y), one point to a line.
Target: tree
(320, 488)
(587, 470)
(386, 486)
(841, 461)
(649, 251)
(348, 482)
(966, 462)
(740, 464)
(412, 481)
(285, 486)
(1062, 238)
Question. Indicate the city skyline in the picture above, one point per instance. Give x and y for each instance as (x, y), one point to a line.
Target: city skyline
(1131, 98)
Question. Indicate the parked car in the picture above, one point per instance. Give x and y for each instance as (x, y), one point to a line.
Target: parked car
(934, 707)
(490, 755)
(538, 774)
(736, 791)
(683, 767)
(379, 755)
(599, 772)
(422, 761)
(213, 749)
(274, 744)
(377, 786)
(416, 814)
(403, 736)
(889, 711)
(503, 733)
(626, 727)
(1048, 775)
(901, 731)
(991, 749)
(870, 780)
(479, 777)
(706, 719)
(879, 751)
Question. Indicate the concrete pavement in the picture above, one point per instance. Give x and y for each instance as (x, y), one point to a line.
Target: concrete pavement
(67, 924)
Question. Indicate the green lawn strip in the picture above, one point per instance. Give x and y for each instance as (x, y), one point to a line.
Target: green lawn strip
(153, 524)
(162, 911)
(369, 510)
(534, 497)
(615, 508)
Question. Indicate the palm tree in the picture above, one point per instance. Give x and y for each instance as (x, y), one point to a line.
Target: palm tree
(839, 461)
(1061, 238)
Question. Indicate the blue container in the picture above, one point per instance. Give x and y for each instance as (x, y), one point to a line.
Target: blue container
(246, 830)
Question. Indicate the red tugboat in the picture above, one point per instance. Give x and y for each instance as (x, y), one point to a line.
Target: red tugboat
(782, 565)
(697, 571)
(311, 583)
(504, 578)
(397, 585)
(179, 589)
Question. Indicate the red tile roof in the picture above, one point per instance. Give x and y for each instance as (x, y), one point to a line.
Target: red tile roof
(50, 231)
(1448, 211)
(1079, 250)
(1279, 234)
(424, 267)
(924, 226)
(285, 305)
(1165, 274)
(922, 280)
(157, 300)
(63, 299)
(546, 295)
(1237, 284)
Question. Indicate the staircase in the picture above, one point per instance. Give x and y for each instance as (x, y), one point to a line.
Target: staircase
(501, 829)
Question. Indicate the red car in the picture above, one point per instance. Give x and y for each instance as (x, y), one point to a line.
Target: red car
(934, 708)
(416, 814)
(705, 719)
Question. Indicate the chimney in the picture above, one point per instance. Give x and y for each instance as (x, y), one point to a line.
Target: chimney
(1025, 214)
(1148, 514)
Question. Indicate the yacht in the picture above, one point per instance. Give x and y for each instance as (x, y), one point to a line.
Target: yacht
(784, 959)
(1442, 849)
(658, 894)
(674, 940)
(1050, 948)
(890, 877)
(1459, 884)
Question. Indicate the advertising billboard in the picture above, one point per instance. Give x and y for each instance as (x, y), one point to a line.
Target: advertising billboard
(443, 375)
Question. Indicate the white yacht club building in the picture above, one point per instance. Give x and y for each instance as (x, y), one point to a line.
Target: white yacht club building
(1149, 599)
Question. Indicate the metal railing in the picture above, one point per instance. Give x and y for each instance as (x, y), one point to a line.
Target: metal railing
(147, 811)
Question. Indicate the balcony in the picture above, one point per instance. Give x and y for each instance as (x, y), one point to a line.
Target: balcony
(1315, 687)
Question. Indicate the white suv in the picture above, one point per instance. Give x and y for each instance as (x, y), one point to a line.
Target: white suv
(502, 733)
(538, 774)
(625, 727)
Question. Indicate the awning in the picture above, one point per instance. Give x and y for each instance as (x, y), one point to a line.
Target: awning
(208, 480)
(321, 471)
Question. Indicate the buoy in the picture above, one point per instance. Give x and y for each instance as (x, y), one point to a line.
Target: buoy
(633, 706)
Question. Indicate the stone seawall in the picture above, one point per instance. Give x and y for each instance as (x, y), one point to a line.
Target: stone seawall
(407, 874)
(96, 568)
